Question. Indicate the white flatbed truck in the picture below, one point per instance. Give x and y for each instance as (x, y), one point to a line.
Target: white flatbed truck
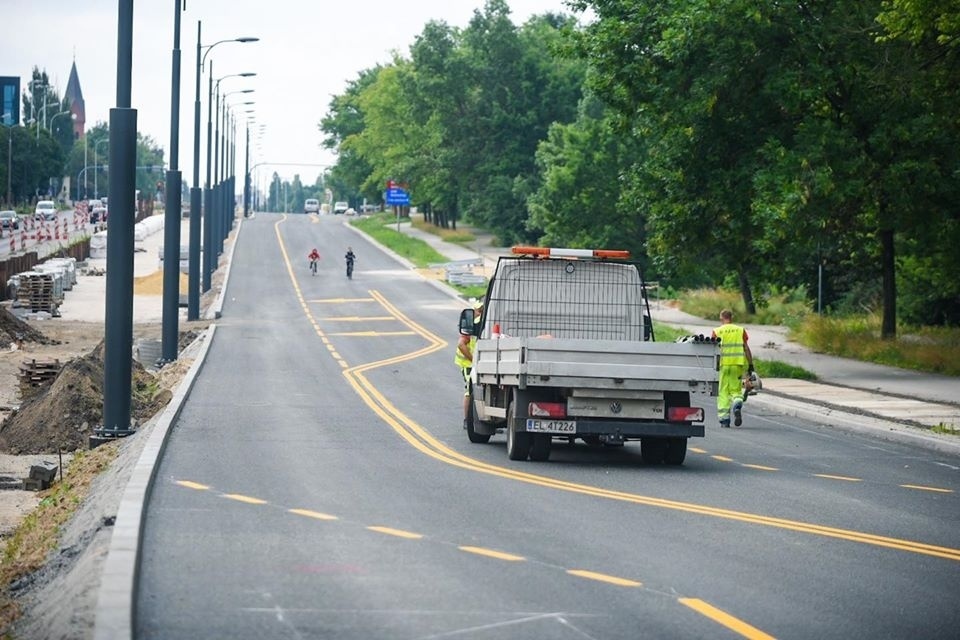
(565, 350)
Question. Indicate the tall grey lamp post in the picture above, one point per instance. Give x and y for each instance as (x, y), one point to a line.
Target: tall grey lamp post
(209, 254)
(96, 187)
(196, 195)
(171, 219)
(118, 326)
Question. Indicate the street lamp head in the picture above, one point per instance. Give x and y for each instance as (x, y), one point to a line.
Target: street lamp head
(247, 74)
(247, 39)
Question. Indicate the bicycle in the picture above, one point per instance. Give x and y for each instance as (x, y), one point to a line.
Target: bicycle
(350, 257)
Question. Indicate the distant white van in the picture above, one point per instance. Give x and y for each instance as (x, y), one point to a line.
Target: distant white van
(311, 205)
(340, 207)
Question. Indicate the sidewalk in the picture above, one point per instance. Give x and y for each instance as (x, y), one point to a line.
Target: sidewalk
(894, 404)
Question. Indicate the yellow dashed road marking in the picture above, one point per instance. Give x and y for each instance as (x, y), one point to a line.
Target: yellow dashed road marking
(490, 553)
(242, 498)
(400, 533)
(922, 488)
(602, 577)
(760, 467)
(722, 458)
(844, 478)
(192, 485)
(312, 514)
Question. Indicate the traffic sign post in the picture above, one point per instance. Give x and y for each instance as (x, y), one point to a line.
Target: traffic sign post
(396, 197)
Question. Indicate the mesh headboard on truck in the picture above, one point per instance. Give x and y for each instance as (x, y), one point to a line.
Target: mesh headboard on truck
(566, 298)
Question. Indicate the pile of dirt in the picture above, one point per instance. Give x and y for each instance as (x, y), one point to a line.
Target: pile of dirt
(13, 330)
(63, 416)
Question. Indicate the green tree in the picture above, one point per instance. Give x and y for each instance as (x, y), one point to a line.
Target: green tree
(578, 204)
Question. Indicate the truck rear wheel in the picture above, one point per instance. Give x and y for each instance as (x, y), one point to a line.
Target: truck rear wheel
(518, 442)
(540, 448)
(653, 450)
(676, 451)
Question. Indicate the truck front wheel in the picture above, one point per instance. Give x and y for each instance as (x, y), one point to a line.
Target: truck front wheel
(476, 438)
(518, 442)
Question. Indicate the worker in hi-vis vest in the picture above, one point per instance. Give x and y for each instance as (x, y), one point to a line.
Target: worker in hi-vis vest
(735, 361)
(464, 359)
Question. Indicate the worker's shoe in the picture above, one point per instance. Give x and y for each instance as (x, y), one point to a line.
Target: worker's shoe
(738, 413)
(465, 424)
(725, 423)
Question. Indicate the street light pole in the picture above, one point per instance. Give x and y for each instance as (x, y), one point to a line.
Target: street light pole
(171, 223)
(96, 187)
(196, 195)
(118, 328)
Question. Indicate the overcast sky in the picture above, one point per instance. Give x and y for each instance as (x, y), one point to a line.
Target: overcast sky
(308, 51)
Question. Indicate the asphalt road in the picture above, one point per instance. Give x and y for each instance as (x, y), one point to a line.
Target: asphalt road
(318, 484)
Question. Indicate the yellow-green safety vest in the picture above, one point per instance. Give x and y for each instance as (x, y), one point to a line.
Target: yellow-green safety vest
(731, 345)
(458, 358)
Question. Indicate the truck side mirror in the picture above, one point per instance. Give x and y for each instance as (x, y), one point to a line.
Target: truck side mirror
(467, 326)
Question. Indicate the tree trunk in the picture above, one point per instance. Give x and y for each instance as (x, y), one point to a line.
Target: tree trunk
(888, 327)
(748, 302)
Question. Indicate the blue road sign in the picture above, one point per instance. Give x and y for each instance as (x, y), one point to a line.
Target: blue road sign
(397, 196)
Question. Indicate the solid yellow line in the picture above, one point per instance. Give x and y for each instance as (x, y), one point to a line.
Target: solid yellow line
(396, 532)
(725, 619)
(722, 458)
(312, 514)
(356, 318)
(242, 498)
(490, 553)
(372, 334)
(844, 478)
(760, 467)
(922, 488)
(192, 485)
(602, 577)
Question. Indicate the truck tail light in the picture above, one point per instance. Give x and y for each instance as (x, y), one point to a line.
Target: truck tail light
(547, 410)
(685, 414)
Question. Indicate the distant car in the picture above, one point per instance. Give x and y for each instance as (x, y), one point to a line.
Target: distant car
(9, 220)
(340, 208)
(311, 205)
(98, 214)
(46, 210)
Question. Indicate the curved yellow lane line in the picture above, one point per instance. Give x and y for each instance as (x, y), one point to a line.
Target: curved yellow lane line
(424, 442)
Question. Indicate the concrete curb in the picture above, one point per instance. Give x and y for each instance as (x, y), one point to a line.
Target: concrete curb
(117, 593)
(216, 310)
(859, 423)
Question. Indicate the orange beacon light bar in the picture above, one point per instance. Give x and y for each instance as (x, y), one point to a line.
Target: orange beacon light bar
(553, 252)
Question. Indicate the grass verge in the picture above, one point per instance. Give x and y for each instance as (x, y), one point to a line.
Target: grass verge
(415, 250)
(930, 349)
(39, 533)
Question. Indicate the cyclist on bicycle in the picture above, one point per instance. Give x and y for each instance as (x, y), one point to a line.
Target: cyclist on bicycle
(350, 257)
(314, 257)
